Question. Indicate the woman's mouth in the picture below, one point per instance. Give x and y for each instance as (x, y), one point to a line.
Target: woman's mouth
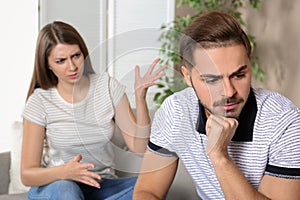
(73, 76)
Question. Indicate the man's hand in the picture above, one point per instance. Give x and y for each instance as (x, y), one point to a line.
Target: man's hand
(220, 131)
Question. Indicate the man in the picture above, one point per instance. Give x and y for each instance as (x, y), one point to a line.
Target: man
(235, 141)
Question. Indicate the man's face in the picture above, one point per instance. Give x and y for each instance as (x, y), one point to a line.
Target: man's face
(221, 78)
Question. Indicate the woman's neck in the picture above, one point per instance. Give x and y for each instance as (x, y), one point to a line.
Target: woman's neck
(74, 93)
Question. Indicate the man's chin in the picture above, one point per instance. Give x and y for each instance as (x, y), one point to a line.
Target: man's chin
(232, 116)
(229, 114)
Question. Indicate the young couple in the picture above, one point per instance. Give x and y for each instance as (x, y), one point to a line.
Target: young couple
(236, 142)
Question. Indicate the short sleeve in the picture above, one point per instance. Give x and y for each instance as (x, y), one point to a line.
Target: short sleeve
(161, 130)
(117, 90)
(34, 110)
(284, 157)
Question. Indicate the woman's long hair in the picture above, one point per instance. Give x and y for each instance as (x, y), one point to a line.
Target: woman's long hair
(50, 35)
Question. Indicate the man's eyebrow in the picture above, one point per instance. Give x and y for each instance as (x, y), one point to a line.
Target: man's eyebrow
(239, 70)
(220, 76)
(210, 76)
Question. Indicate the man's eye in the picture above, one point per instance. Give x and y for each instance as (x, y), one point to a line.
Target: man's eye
(210, 80)
(239, 76)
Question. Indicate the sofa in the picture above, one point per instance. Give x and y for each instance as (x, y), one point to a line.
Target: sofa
(5, 163)
(127, 164)
(181, 189)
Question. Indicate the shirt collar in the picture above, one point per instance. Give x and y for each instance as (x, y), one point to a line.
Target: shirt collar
(244, 131)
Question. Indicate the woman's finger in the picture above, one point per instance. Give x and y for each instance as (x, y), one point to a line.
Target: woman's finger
(153, 64)
(137, 72)
(160, 69)
(90, 181)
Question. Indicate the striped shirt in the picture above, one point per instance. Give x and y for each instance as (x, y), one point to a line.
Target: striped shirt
(266, 141)
(83, 128)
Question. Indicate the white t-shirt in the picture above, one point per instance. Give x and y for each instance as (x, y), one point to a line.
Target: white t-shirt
(84, 128)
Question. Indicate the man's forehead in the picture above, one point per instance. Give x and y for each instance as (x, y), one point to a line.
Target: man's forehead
(221, 60)
(203, 62)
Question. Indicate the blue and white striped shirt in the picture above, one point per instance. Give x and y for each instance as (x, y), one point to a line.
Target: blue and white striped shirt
(266, 141)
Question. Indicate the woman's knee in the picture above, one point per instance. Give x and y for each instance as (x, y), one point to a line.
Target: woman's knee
(63, 189)
(66, 189)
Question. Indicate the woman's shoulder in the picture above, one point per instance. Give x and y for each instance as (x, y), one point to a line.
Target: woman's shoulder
(99, 77)
(40, 92)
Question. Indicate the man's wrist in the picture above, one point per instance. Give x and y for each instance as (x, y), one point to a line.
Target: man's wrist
(219, 157)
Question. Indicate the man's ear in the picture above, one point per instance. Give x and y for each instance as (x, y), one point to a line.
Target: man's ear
(186, 75)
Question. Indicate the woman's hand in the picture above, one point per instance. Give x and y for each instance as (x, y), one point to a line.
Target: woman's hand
(143, 83)
(74, 170)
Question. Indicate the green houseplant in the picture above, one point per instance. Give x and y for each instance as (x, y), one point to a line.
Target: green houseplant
(172, 32)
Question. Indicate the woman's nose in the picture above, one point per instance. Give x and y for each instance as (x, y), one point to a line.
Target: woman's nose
(72, 66)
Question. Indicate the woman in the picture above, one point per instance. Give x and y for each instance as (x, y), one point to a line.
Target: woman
(69, 117)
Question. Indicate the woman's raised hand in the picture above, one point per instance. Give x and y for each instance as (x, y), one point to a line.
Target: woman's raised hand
(149, 79)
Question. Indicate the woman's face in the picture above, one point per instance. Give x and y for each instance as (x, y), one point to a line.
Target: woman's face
(67, 63)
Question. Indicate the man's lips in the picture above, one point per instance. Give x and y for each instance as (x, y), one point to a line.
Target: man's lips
(230, 106)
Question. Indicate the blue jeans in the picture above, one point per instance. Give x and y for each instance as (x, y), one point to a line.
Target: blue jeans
(111, 189)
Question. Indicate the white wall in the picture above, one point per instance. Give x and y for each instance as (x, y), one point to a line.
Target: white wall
(19, 27)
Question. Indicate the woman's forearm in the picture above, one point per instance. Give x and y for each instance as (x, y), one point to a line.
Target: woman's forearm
(143, 124)
(73, 170)
(38, 176)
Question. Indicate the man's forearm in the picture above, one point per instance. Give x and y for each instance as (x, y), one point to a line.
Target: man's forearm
(233, 183)
(138, 195)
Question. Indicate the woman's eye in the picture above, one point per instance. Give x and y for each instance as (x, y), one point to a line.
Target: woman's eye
(77, 55)
(60, 61)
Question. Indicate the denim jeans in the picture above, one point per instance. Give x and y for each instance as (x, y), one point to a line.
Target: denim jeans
(111, 189)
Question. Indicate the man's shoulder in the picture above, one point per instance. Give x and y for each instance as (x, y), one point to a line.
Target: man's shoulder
(180, 106)
(273, 102)
(182, 98)
(267, 96)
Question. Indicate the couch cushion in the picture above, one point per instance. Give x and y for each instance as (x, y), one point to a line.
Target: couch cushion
(15, 185)
(13, 196)
(4, 172)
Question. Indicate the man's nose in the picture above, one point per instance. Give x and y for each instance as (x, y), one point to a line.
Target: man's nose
(228, 88)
